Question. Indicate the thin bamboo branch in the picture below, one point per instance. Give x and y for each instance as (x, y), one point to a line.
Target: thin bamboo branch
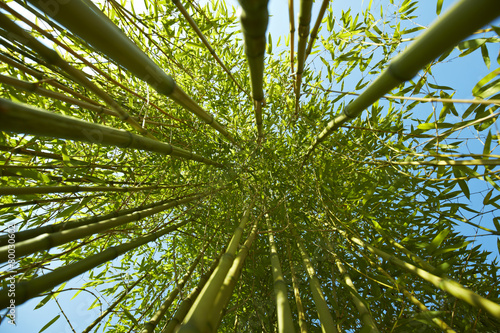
(113, 305)
(314, 31)
(74, 189)
(151, 324)
(205, 42)
(42, 201)
(446, 32)
(84, 19)
(21, 118)
(28, 289)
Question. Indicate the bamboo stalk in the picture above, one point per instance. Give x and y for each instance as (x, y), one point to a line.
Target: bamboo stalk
(304, 22)
(188, 301)
(49, 240)
(443, 34)
(74, 189)
(205, 42)
(254, 19)
(53, 58)
(230, 281)
(28, 289)
(285, 320)
(298, 301)
(21, 118)
(39, 202)
(325, 317)
(291, 17)
(84, 19)
(314, 31)
(113, 305)
(364, 313)
(198, 317)
(450, 286)
(151, 324)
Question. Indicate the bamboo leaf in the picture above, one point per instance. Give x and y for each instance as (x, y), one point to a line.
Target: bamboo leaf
(53, 320)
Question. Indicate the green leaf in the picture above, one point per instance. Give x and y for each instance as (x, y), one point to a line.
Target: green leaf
(44, 301)
(439, 5)
(436, 242)
(49, 323)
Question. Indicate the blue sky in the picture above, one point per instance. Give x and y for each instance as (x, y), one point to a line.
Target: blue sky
(462, 75)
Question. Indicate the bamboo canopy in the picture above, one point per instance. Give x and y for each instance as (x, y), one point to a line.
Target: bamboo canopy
(393, 223)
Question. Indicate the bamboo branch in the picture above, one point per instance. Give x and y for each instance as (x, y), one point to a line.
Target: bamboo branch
(314, 31)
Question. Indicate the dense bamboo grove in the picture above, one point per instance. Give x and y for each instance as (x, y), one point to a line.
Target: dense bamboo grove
(180, 168)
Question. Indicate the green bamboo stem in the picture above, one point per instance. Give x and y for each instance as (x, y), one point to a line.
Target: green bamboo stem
(314, 31)
(254, 19)
(298, 300)
(186, 304)
(364, 313)
(304, 22)
(450, 286)
(28, 289)
(198, 317)
(42, 201)
(285, 320)
(47, 241)
(205, 42)
(226, 290)
(151, 324)
(400, 285)
(325, 317)
(291, 17)
(84, 19)
(443, 34)
(113, 305)
(53, 58)
(73, 189)
(21, 118)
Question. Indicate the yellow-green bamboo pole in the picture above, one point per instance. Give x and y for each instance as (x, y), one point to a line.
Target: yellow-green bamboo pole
(85, 20)
(151, 324)
(28, 289)
(53, 58)
(325, 317)
(197, 318)
(304, 22)
(254, 18)
(226, 290)
(113, 305)
(22, 118)
(460, 21)
(364, 313)
(49, 240)
(298, 300)
(205, 42)
(186, 304)
(73, 189)
(314, 31)
(445, 284)
(284, 314)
